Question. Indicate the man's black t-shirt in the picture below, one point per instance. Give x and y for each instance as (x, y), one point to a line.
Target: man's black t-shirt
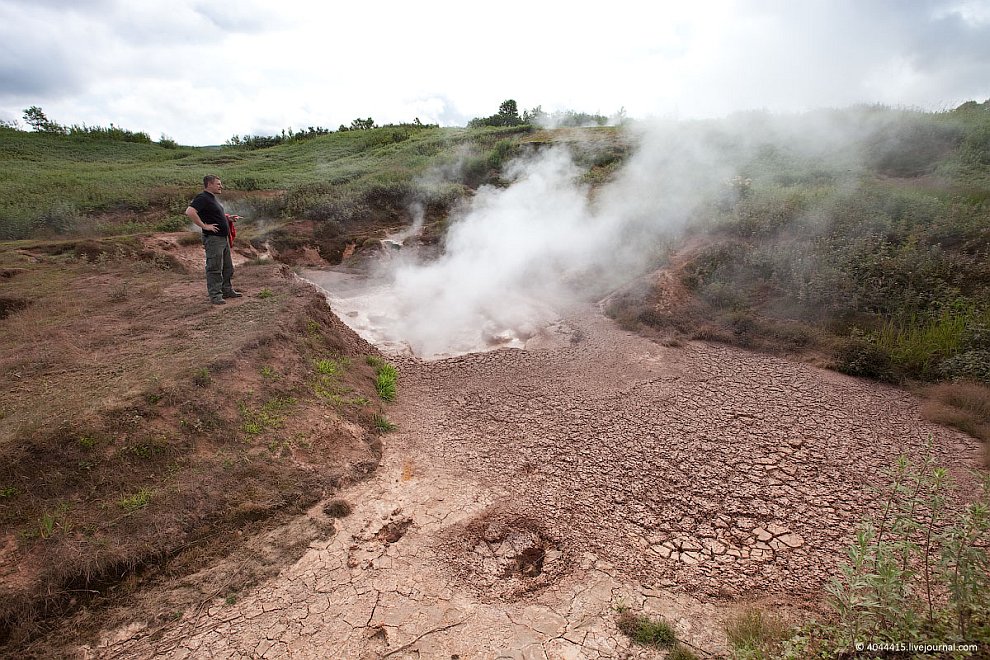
(211, 213)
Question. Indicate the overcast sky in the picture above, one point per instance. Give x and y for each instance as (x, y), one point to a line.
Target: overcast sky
(201, 71)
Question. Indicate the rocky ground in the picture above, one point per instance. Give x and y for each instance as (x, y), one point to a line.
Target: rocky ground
(528, 494)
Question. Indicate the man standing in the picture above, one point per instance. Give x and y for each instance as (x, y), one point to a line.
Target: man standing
(207, 213)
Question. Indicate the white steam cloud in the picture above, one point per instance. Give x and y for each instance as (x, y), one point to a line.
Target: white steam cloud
(517, 256)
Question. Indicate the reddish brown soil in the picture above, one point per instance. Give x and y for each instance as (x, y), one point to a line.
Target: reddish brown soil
(144, 430)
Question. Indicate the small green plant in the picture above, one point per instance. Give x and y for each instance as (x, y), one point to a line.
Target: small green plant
(138, 500)
(7, 492)
(268, 416)
(202, 377)
(328, 367)
(312, 328)
(88, 442)
(916, 572)
(52, 521)
(382, 424)
(268, 373)
(386, 377)
(646, 631)
(266, 293)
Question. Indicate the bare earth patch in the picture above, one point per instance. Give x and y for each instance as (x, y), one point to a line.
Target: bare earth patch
(529, 493)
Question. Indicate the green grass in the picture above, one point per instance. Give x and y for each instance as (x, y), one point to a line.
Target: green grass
(93, 176)
(646, 631)
(382, 424)
(270, 415)
(386, 379)
(138, 500)
(328, 367)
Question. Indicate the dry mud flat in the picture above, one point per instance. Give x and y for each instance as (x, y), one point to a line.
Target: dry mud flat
(528, 493)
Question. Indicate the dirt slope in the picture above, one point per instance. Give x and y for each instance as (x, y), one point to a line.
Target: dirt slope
(528, 493)
(145, 432)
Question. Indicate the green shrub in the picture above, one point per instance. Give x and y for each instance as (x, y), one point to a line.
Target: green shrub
(917, 571)
(859, 357)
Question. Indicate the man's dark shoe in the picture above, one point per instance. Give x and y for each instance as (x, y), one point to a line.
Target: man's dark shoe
(233, 294)
(218, 301)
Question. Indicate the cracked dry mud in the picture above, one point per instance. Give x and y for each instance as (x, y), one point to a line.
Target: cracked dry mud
(527, 493)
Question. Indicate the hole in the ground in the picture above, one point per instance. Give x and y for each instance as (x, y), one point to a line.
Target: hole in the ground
(528, 563)
(504, 556)
(393, 531)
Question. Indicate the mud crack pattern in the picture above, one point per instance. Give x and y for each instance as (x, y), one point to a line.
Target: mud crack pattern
(527, 493)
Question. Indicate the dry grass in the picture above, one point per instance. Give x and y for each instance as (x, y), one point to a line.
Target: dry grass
(964, 406)
(754, 633)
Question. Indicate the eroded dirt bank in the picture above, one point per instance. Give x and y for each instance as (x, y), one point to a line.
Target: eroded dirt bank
(527, 493)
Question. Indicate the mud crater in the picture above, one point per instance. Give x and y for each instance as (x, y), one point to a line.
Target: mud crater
(504, 556)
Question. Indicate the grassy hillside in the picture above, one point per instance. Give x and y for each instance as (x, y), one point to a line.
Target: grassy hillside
(61, 185)
(873, 249)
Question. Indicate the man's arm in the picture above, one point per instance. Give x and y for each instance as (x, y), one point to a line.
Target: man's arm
(194, 216)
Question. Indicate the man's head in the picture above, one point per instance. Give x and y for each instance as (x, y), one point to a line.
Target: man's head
(212, 184)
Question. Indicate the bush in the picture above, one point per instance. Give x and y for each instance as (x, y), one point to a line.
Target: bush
(918, 571)
(857, 356)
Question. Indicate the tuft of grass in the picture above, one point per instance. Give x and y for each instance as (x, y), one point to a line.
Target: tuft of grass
(680, 652)
(646, 631)
(338, 508)
(266, 293)
(382, 424)
(964, 406)
(328, 367)
(754, 634)
(202, 377)
(386, 377)
(138, 500)
(268, 373)
(7, 492)
(118, 293)
(268, 416)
